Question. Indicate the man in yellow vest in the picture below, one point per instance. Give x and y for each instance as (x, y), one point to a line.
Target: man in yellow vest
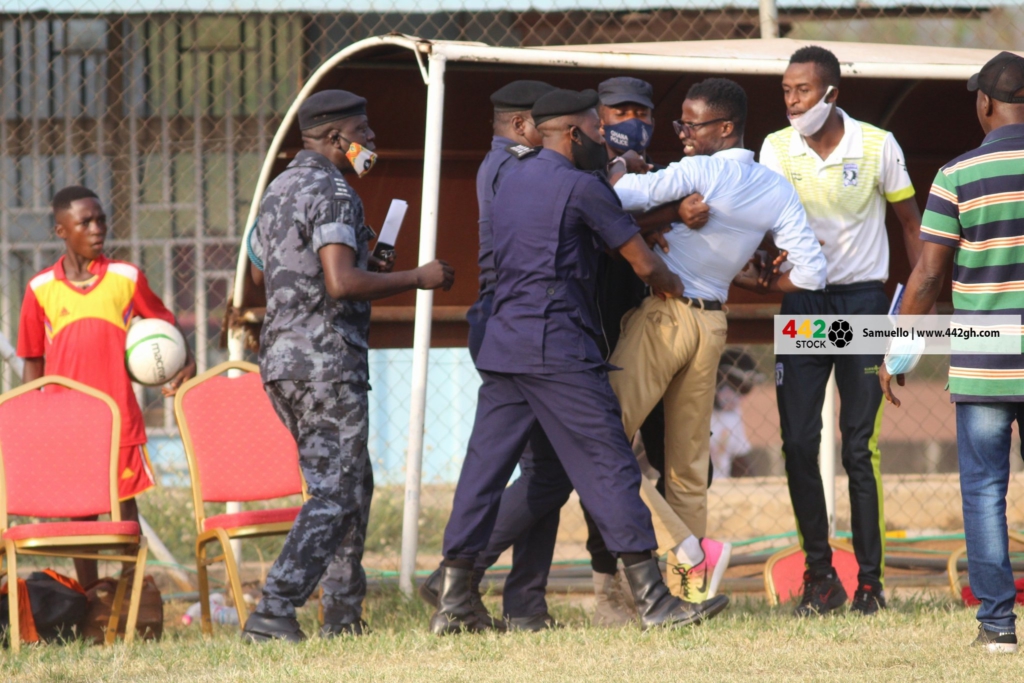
(844, 171)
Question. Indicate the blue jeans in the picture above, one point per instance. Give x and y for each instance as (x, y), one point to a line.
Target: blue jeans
(983, 443)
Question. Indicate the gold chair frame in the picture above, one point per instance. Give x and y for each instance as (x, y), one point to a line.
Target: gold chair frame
(221, 536)
(769, 581)
(954, 557)
(78, 547)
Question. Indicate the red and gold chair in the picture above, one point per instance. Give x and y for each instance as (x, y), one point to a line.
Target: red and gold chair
(237, 450)
(59, 458)
(784, 571)
(953, 572)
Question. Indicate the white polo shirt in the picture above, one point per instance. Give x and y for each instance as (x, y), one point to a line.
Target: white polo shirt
(845, 195)
(747, 201)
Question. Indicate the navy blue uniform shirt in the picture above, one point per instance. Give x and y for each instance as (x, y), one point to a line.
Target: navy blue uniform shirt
(496, 165)
(550, 221)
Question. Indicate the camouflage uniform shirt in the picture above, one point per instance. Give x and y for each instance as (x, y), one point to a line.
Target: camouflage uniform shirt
(307, 335)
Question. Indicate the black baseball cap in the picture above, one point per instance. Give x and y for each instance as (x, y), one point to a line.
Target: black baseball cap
(623, 89)
(1001, 78)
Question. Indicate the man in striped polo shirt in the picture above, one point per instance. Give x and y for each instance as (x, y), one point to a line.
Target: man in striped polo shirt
(844, 171)
(975, 215)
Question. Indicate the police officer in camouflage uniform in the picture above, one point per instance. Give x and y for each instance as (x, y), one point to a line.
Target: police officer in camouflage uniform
(310, 249)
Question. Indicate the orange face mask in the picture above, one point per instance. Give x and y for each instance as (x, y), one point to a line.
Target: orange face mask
(362, 159)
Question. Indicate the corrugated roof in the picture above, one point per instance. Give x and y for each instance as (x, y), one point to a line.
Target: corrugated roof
(427, 6)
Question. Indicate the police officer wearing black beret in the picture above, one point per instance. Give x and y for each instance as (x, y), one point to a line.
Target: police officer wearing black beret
(540, 363)
(530, 508)
(310, 250)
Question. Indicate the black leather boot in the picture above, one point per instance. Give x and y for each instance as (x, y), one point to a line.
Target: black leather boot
(259, 628)
(430, 588)
(658, 607)
(457, 610)
(341, 623)
(535, 623)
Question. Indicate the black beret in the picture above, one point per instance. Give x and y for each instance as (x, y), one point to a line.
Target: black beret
(624, 89)
(519, 95)
(329, 105)
(562, 103)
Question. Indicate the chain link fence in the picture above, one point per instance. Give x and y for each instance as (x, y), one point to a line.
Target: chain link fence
(168, 111)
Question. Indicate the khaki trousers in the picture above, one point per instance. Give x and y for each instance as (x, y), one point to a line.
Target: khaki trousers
(670, 350)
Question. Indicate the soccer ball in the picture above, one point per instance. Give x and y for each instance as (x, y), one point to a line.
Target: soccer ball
(154, 351)
(840, 334)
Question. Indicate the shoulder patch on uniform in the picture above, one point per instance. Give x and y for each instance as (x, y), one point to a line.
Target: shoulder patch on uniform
(522, 151)
(41, 279)
(124, 270)
(339, 210)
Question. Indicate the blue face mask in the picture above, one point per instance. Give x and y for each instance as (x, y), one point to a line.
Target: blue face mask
(632, 134)
(903, 355)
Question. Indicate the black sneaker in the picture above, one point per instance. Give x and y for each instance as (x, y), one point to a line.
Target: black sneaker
(822, 594)
(868, 600)
(995, 642)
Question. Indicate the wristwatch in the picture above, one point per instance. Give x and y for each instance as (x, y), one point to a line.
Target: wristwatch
(616, 160)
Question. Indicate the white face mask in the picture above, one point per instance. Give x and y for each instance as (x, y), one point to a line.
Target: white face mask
(811, 121)
(362, 159)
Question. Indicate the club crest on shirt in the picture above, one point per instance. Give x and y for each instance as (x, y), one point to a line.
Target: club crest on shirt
(778, 374)
(850, 175)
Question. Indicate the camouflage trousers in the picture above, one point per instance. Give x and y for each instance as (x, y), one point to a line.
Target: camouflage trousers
(329, 423)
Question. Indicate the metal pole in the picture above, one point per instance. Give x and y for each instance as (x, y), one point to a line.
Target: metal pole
(769, 16)
(827, 454)
(236, 351)
(421, 334)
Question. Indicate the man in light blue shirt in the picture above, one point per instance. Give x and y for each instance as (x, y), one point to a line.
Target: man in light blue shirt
(671, 348)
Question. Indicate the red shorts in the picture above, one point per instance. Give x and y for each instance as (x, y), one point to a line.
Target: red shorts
(135, 476)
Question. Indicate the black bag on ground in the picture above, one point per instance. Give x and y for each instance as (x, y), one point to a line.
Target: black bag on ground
(56, 608)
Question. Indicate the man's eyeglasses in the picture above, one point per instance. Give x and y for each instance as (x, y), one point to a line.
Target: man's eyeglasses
(681, 127)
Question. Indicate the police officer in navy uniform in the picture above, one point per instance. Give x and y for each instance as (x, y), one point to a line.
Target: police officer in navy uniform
(540, 363)
(530, 508)
(310, 250)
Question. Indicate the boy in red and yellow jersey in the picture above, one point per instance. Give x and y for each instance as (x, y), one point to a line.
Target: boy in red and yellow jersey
(74, 321)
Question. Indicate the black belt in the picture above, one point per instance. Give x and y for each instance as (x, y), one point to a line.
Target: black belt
(706, 304)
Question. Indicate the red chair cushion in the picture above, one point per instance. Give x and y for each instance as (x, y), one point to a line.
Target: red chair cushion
(251, 517)
(54, 529)
(788, 573)
(242, 449)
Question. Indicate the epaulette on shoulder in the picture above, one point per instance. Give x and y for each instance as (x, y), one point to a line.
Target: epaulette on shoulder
(341, 189)
(522, 151)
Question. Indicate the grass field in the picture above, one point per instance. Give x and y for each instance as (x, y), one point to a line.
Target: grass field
(919, 639)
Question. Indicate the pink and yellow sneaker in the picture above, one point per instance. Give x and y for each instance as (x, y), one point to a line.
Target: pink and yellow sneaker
(697, 583)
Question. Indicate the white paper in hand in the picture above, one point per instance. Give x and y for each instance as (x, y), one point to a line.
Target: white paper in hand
(393, 222)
